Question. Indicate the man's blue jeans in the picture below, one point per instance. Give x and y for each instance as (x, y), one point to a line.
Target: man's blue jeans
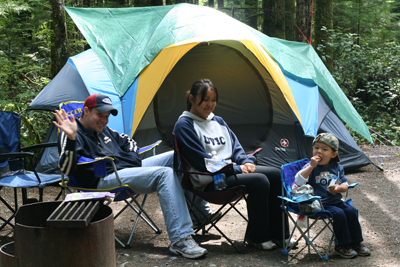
(157, 175)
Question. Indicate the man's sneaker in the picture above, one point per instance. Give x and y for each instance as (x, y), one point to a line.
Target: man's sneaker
(268, 245)
(361, 249)
(345, 252)
(187, 248)
(211, 216)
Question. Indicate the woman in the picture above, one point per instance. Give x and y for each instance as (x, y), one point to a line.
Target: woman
(199, 132)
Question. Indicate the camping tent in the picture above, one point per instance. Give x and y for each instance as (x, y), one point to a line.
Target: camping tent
(274, 94)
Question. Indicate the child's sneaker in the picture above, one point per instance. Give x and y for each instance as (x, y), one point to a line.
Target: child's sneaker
(361, 249)
(345, 252)
(187, 248)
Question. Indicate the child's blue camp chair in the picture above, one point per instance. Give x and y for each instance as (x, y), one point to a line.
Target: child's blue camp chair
(123, 192)
(290, 205)
(13, 165)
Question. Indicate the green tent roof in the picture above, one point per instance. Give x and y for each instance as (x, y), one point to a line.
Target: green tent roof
(127, 39)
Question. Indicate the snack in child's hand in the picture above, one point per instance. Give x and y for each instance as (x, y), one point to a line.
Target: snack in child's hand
(331, 187)
(332, 184)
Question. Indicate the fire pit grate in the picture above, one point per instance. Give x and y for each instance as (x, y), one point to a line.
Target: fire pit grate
(74, 214)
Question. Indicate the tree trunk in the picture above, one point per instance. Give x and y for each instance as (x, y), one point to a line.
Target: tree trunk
(195, 2)
(140, 3)
(303, 20)
(59, 43)
(251, 13)
(220, 4)
(274, 18)
(290, 20)
(397, 9)
(324, 18)
(211, 3)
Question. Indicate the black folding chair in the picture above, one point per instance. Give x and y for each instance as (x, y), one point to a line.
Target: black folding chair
(228, 197)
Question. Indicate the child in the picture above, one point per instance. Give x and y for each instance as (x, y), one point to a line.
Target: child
(321, 173)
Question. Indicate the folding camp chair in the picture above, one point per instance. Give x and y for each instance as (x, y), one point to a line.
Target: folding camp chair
(123, 192)
(13, 162)
(290, 205)
(226, 198)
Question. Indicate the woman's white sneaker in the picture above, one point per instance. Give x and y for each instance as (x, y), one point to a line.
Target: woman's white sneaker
(268, 245)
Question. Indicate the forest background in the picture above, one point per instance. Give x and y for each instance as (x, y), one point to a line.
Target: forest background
(358, 40)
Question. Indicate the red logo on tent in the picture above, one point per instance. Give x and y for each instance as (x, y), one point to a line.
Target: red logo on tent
(284, 142)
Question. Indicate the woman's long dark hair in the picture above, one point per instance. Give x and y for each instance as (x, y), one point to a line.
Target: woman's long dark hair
(200, 87)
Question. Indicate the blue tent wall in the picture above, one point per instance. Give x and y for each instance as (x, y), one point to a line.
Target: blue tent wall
(80, 77)
(306, 96)
(96, 80)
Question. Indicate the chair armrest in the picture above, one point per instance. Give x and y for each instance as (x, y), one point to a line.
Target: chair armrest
(301, 200)
(103, 160)
(39, 146)
(224, 169)
(149, 147)
(286, 199)
(255, 152)
(5, 156)
(352, 185)
(106, 159)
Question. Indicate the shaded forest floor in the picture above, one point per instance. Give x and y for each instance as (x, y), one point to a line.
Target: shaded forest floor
(377, 198)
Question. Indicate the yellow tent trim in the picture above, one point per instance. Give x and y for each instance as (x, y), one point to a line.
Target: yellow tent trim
(154, 74)
(152, 77)
(275, 72)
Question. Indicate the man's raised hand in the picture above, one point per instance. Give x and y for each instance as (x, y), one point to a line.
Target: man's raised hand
(68, 126)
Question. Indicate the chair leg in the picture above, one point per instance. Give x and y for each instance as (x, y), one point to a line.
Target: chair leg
(26, 200)
(307, 238)
(151, 223)
(13, 210)
(59, 195)
(141, 214)
(213, 223)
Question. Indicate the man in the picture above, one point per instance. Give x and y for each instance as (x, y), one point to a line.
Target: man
(90, 137)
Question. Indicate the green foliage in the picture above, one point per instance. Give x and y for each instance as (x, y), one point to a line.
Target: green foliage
(371, 20)
(367, 73)
(370, 77)
(24, 62)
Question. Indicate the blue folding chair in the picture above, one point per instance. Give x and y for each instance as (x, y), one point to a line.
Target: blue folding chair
(123, 192)
(13, 163)
(290, 205)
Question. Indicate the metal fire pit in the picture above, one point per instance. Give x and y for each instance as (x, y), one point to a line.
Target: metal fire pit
(7, 257)
(37, 244)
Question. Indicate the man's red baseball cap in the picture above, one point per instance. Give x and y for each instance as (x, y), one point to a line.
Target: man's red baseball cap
(101, 102)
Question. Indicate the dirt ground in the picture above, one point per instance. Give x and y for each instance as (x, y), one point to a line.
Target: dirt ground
(377, 198)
